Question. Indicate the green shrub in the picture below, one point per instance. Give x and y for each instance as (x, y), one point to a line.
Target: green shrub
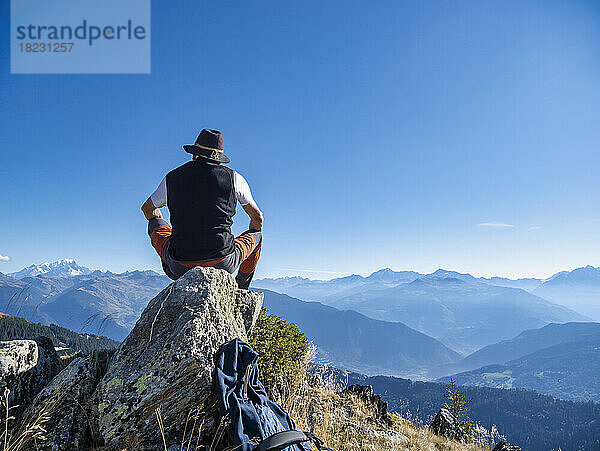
(282, 351)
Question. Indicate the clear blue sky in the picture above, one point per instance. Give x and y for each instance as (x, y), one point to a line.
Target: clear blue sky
(372, 134)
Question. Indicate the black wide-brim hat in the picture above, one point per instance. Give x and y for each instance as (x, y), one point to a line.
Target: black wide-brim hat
(209, 145)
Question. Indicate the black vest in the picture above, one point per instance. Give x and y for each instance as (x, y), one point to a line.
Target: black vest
(201, 200)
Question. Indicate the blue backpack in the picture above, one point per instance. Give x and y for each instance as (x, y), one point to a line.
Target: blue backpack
(255, 422)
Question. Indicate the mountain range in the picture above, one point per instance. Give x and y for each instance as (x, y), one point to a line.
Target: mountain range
(578, 289)
(351, 341)
(394, 323)
(62, 268)
(97, 302)
(463, 315)
(314, 290)
(463, 312)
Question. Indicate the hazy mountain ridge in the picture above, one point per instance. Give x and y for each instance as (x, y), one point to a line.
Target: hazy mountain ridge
(582, 275)
(463, 315)
(578, 289)
(464, 312)
(525, 343)
(383, 278)
(567, 371)
(318, 290)
(352, 341)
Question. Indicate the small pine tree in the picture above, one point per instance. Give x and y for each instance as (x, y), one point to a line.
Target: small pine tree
(458, 405)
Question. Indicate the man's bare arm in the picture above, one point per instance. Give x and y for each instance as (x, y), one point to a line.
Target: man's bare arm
(256, 216)
(150, 211)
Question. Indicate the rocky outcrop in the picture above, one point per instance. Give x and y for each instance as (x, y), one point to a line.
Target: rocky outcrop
(26, 366)
(72, 419)
(377, 405)
(355, 413)
(504, 446)
(446, 425)
(165, 364)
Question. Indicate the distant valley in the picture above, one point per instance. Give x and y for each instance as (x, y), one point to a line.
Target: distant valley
(567, 371)
(352, 341)
(525, 343)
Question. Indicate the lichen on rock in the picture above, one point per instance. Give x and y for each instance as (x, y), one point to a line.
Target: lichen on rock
(26, 366)
(68, 398)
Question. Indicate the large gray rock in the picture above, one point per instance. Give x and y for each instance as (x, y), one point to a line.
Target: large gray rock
(26, 366)
(446, 425)
(166, 361)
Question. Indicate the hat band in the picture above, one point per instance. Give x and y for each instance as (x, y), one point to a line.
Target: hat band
(208, 148)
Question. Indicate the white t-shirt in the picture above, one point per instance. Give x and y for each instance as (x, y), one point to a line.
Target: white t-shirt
(242, 191)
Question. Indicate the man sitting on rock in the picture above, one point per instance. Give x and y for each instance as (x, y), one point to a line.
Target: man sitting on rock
(201, 196)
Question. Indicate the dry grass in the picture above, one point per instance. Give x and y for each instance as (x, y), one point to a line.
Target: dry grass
(191, 441)
(31, 430)
(346, 423)
(424, 440)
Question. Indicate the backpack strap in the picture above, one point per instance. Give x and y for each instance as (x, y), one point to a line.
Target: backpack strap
(281, 440)
(317, 441)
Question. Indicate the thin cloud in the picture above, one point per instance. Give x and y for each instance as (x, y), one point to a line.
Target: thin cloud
(534, 228)
(4, 258)
(497, 225)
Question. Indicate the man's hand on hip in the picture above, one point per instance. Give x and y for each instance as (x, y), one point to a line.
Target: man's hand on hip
(150, 211)
(256, 216)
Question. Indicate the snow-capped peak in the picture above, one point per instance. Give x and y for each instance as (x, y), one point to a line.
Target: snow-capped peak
(66, 267)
